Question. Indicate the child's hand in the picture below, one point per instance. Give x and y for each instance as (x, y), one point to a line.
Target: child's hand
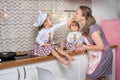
(47, 45)
(65, 40)
(78, 44)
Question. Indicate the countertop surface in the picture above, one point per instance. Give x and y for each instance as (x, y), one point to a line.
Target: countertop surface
(31, 60)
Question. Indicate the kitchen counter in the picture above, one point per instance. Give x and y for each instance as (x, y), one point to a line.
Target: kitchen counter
(31, 60)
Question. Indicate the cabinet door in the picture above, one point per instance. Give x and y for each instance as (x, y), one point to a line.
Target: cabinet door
(83, 66)
(75, 71)
(10, 74)
(29, 72)
(69, 72)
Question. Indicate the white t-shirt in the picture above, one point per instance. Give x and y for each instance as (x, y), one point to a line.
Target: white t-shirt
(74, 37)
(43, 34)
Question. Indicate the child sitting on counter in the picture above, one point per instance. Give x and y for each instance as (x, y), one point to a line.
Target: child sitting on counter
(44, 44)
(74, 38)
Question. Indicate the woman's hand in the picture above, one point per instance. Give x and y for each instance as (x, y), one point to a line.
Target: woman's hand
(47, 45)
(78, 44)
(83, 47)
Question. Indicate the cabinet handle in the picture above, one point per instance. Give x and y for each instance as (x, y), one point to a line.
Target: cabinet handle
(24, 73)
(18, 74)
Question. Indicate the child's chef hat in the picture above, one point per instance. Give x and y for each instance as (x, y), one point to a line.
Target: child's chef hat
(41, 18)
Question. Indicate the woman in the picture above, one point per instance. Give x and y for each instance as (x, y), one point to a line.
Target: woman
(99, 52)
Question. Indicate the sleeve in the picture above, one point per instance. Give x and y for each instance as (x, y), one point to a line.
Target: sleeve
(57, 26)
(94, 28)
(69, 38)
(40, 39)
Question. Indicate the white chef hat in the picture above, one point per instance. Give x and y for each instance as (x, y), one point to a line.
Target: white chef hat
(41, 18)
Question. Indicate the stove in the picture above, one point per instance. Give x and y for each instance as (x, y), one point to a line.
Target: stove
(17, 57)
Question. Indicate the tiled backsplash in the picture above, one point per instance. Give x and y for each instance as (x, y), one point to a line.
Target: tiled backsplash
(17, 32)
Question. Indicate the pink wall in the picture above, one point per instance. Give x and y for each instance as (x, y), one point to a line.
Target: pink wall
(112, 32)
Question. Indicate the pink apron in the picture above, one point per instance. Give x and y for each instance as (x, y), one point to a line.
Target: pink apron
(94, 58)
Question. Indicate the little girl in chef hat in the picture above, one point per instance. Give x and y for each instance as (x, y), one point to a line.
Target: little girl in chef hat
(44, 46)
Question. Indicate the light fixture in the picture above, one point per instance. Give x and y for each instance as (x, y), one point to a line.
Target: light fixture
(53, 13)
(53, 9)
(5, 14)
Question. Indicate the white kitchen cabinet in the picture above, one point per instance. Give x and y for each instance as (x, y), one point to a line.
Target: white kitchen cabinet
(75, 71)
(69, 72)
(29, 72)
(10, 74)
(72, 71)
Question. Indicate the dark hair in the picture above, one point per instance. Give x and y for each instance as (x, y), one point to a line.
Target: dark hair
(40, 27)
(75, 23)
(90, 20)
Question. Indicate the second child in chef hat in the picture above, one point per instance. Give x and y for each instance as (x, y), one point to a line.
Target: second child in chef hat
(44, 39)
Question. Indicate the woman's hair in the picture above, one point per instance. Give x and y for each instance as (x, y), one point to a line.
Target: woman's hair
(76, 24)
(90, 20)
